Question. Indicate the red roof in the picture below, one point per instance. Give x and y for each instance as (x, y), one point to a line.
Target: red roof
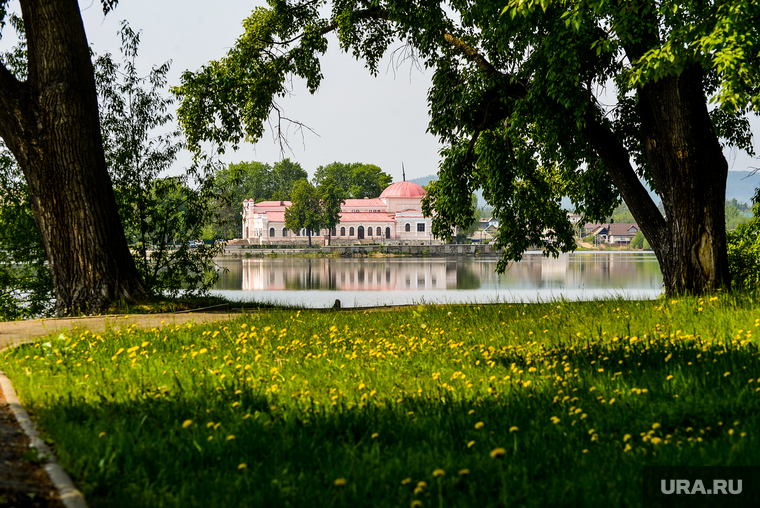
(403, 190)
(366, 217)
(345, 217)
(355, 203)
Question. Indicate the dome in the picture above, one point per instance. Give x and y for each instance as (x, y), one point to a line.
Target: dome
(403, 190)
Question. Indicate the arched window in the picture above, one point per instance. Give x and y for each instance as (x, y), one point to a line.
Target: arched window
(351, 231)
(333, 233)
(360, 233)
(271, 232)
(387, 232)
(369, 231)
(379, 231)
(343, 231)
(284, 232)
(407, 227)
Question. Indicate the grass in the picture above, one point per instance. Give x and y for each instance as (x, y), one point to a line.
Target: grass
(555, 404)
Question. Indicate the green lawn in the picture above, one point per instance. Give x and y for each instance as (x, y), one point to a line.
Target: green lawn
(557, 404)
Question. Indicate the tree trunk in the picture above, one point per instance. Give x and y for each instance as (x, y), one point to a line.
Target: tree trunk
(689, 170)
(50, 123)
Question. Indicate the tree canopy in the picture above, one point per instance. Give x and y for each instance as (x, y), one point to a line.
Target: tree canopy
(357, 180)
(533, 100)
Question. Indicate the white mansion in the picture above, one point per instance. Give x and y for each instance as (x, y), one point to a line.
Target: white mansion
(395, 216)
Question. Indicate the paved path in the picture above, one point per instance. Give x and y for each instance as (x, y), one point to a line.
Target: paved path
(24, 483)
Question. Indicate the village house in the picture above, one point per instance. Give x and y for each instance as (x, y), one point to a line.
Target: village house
(393, 217)
(614, 233)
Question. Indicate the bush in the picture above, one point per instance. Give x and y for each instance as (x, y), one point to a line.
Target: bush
(744, 251)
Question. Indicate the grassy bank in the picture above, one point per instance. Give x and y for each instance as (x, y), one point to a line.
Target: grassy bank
(537, 405)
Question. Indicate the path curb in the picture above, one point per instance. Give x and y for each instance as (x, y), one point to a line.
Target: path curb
(68, 493)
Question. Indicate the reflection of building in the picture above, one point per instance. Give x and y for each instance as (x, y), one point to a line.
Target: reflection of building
(396, 215)
(328, 274)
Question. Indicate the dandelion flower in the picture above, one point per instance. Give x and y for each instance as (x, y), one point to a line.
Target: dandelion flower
(406, 481)
(479, 425)
(374, 435)
(627, 448)
(230, 437)
(242, 466)
(513, 429)
(102, 434)
(340, 482)
(655, 426)
(555, 420)
(186, 423)
(498, 453)
(469, 445)
(438, 473)
(416, 503)
(463, 472)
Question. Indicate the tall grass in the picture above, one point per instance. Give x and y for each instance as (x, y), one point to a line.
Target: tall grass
(555, 404)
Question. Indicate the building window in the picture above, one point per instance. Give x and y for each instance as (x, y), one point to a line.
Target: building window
(387, 232)
(369, 231)
(342, 231)
(420, 227)
(351, 231)
(284, 232)
(333, 232)
(271, 232)
(379, 231)
(408, 227)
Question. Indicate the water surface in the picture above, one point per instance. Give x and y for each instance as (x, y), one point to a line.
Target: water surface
(365, 282)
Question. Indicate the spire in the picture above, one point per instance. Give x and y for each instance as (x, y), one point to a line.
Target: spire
(403, 172)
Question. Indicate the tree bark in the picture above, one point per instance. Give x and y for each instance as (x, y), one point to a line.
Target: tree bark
(50, 123)
(689, 170)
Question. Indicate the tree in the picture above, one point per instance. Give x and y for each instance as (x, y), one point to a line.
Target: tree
(233, 185)
(26, 288)
(284, 177)
(638, 241)
(518, 101)
(157, 212)
(305, 211)
(358, 180)
(331, 199)
(49, 122)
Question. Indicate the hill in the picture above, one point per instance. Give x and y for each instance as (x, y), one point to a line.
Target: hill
(740, 185)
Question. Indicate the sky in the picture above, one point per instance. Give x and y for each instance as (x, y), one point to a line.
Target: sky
(357, 117)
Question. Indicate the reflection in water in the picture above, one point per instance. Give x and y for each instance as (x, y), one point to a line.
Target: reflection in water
(372, 281)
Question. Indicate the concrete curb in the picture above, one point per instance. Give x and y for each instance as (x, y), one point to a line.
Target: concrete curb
(68, 493)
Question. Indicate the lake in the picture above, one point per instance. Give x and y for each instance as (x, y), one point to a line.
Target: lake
(368, 282)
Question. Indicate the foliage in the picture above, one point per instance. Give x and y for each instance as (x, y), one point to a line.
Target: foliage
(519, 100)
(274, 407)
(638, 241)
(160, 214)
(744, 251)
(331, 199)
(305, 212)
(735, 213)
(357, 180)
(26, 285)
(234, 184)
(285, 175)
(621, 215)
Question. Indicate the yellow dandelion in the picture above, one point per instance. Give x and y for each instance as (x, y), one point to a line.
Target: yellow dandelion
(555, 420)
(655, 426)
(470, 444)
(340, 482)
(416, 503)
(463, 472)
(479, 425)
(513, 429)
(438, 473)
(102, 434)
(230, 437)
(626, 437)
(656, 440)
(406, 481)
(374, 435)
(585, 451)
(627, 448)
(242, 466)
(186, 423)
(498, 453)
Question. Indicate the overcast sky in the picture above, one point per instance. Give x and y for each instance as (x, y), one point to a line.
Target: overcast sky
(357, 117)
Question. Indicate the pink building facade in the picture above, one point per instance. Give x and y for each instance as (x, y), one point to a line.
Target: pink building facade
(394, 217)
